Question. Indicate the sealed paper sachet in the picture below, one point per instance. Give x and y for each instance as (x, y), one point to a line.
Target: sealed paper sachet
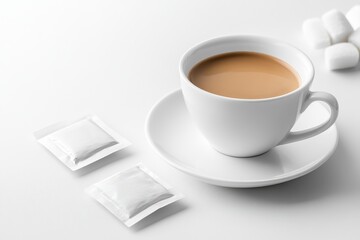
(133, 194)
(82, 142)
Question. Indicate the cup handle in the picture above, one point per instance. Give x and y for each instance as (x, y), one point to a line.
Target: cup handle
(312, 97)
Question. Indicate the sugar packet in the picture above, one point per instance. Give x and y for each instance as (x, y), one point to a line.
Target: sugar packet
(133, 194)
(80, 143)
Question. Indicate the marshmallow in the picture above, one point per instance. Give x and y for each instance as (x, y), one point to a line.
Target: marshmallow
(353, 15)
(337, 26)
(315, 33)
(354, 38)
(342, 55)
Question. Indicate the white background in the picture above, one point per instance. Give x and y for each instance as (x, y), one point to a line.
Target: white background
(61, 60)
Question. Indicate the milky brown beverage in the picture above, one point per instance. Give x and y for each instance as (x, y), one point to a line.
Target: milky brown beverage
(246, 75)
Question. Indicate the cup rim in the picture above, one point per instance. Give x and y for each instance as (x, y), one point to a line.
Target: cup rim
(303, 84)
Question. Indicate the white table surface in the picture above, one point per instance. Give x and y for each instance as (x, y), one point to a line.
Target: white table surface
(60, 60)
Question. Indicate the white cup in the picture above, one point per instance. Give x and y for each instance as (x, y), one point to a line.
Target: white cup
(249, 127)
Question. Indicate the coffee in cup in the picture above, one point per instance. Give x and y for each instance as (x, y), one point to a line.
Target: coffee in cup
(247, 75)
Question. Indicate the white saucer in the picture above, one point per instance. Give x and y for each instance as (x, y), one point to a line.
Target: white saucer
(171, 132)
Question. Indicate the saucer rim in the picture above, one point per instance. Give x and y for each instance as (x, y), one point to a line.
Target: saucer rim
(234, 183)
